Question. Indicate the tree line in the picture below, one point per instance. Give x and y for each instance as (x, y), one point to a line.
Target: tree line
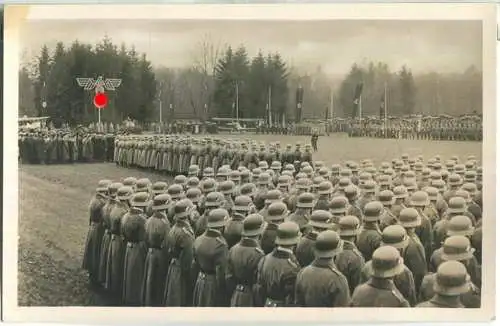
(225, 81)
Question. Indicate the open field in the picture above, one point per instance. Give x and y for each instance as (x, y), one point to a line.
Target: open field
(53, 217)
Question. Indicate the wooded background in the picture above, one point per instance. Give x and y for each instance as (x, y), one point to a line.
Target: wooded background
(208, 87)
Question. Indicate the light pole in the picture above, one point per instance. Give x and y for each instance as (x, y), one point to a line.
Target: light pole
(237, 101)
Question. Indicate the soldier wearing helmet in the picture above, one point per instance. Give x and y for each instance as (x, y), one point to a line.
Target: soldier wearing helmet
(414, 255)
(276, 215)
(234, 227)
(264, 180)
(370, 236)
(243, 260)
(321, 284)
(93, 244)
(277, 271)
(213, 200)
(301, 215)
(179, 248)
(349, 260)
(320, 221)
(396, 237)
(210, 262)
(156, 229)
(301, 186)
(380, 290)
(324, 192)
(386, 197)
(368, 193)
(450, 287)
(420, 200)
(227, 189)
(272, 196)
(135, 253)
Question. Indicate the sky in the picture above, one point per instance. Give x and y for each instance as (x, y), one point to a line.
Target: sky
(441, 46)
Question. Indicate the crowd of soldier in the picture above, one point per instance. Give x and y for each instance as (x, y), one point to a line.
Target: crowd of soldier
(404, 234)
(61, 147)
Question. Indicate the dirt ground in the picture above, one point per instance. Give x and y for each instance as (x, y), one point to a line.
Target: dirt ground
(53, 211)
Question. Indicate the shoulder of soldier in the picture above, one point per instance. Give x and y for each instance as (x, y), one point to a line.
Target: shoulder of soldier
(260, 251)
(221, 241)
(292, 261)
(395, 292)
(187, 230)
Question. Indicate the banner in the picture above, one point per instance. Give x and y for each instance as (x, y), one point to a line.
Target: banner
(357, 100)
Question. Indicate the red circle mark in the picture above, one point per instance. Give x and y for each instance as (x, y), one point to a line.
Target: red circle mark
(100, 100)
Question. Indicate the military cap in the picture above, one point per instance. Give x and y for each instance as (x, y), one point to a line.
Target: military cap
(372, 211)
(335, 168)
(242, 203)
(419, 199)
(308, 170)
(264, 179)
(398, 165)
(130, 181)
(460, 169)
(223, 171)
(175, 191)
(321, 219)
(432, 193)
(287, 173)
(301, 175)
(457, 247)
(288, 234)
(457, 205)
(193, 194)
(193, 169)
(276, 165)
(102, 185)
(451, 279)
(214, 199)
(284, 180)
(351, 191)
(395, 236)
(405, 157)
(440, 185)
(235, 175)
(248, 189)
(253, 225)
(354, 167)
(302, 184)
(208, 185)
(370, 186)
(479, 171)
(450, 165)
(400, 192)
(418, 167)
(405, 168)
(455, 158)
(328, 244)
(273, 196)
(181, 209)
(325, 188)
(346, 172)
(385, 165)
(226, 187)
(143, 184)
(349, 226)
(305, 200)
(343, 183)
(208, 172)
(304, 164)
(464, 194)
(161, 201)
(410, 184)
(256, 172)
(460, 225)
(437, 158)
(338, 205)
(277, 211)
(386, 197)
(289, 167)
(444, 174)
(455, 180)
(364, 176)
(193, 182)
(471, 188)
(124, 193)
(245, 174)
(113, 188)
(436, 175)
(386, 262)
(180, 179)
(470, 176)
(217, 218)
(140, 199)
(409, 218)
(159, 187)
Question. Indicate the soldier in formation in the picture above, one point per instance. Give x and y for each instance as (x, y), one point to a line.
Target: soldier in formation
(179, 154)
(235, 237)
(65, 146)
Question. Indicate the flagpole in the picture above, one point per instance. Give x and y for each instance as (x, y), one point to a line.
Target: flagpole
(385, 109)
(360, 108)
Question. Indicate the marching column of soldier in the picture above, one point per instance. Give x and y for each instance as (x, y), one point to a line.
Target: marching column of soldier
(406, 233)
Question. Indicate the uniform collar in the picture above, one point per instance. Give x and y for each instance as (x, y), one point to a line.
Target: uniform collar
(249, 242)
(213, 233)
(281, 252)
(447, 302)
(381, 283)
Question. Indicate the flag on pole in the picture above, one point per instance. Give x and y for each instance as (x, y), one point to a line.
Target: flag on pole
(357, 99)
(382, 106)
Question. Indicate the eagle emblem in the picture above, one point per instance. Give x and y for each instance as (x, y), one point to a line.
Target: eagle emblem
(100, 84)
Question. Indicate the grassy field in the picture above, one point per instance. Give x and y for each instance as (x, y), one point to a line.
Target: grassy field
(53, 217)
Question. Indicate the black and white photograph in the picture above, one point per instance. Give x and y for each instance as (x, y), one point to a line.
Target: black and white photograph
(271, 156)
